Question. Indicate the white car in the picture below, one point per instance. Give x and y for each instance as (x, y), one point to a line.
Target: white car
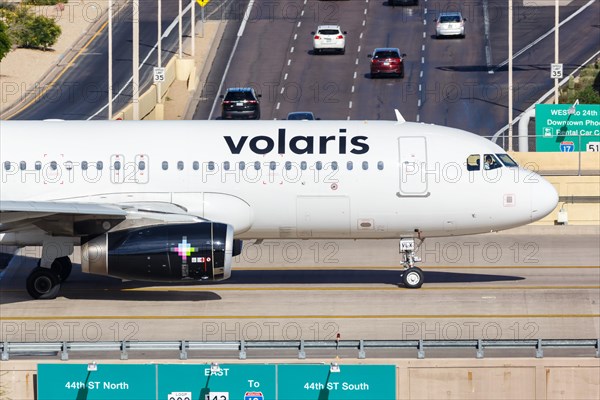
(450, 24)
(329, 37)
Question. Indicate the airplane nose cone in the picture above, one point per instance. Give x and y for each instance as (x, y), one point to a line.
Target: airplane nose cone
(544, 199)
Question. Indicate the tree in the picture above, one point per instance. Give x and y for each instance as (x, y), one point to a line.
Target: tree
(5, 42)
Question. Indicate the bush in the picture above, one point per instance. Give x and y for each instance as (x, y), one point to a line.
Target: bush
(5, 42)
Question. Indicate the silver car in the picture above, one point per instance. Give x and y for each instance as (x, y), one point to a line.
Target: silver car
(450, 24)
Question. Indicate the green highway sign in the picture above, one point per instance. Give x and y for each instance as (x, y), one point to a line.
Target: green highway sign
(561, 127)
(215, 382)
(219, 382)
(97, 382)
(351, 382)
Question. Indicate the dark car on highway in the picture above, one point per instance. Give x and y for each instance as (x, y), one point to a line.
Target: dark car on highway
(240, 103)
(387, 61)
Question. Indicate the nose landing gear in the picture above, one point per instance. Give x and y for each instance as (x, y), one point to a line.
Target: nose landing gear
(412, 276)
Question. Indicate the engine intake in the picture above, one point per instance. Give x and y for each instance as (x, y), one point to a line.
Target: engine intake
(198, 251)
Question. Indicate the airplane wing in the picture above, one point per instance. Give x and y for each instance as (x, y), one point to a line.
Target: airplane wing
(81, 219)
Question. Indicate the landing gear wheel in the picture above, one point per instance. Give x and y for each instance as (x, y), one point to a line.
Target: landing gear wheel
(413, 278)
(43, 283)
(61, 266)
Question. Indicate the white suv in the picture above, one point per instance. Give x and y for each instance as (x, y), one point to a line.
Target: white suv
(329, 37)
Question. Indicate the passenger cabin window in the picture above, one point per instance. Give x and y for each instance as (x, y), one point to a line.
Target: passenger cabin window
(303, 165)
(288, 165)
(491, 162)
(319, 165)
(365, 165)
(272, 165)
(99, 165)
(195, 165)
(334, 165)
(257, 165)
(38, 165)
(211, 165)
(226, 165)
(242, 165)
(69, 165)
(84, 165)
(507, 160)
(22, 165)
(142, 165)
(380, 165)
(349, 165)
(7, 165)
(53, 165)
(180, 165)
(474, 162)
(165, 165)
(117, 165)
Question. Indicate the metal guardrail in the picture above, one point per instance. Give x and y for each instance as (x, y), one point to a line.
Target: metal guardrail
(49, 349)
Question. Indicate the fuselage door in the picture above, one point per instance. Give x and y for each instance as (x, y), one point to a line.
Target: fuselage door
(412, 153)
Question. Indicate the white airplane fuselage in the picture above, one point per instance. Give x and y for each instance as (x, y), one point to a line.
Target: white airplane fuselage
(275, 179)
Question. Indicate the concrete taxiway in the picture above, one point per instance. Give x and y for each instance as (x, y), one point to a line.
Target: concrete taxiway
(531, 282)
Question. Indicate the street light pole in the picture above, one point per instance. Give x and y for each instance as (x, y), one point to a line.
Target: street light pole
(136, 59)
(110, 60)
(510, 75)
(556, 49)
(193, 35)
(180, 30)
(159, 53)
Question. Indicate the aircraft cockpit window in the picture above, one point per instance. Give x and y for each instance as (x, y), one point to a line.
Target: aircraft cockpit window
(180, 165)
(165, 165)
(491, 162)
(365, 165)
(38, 165)
(380, 165)
(507, 160)
(473, 162)
(349, 165)
(22, 165)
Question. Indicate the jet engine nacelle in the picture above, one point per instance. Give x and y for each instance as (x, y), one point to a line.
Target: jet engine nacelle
(200, 251)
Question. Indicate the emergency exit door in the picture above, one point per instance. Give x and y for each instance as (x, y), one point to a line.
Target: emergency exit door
(412, 152)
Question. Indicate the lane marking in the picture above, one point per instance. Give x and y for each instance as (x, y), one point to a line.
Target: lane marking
(292, 49)
(285, 76)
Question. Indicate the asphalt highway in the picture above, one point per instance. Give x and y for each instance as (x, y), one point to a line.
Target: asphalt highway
(456, 82)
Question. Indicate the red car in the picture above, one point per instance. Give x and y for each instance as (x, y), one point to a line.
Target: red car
(387, 61)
